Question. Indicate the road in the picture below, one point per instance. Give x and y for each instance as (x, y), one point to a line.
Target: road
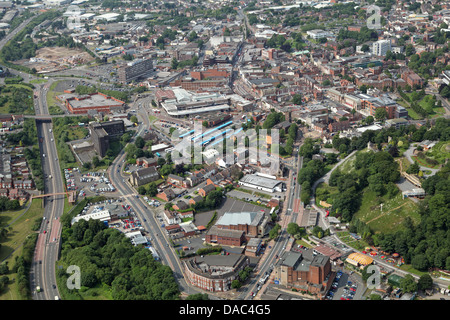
(47, 249)
(42, 271)
(280, 244)
(145, 214)
(409, 154)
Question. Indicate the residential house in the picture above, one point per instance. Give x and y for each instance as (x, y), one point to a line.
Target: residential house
(206, 190)
(147, 162)
(177, 181)
(180, 205)
(171, 217)
(195, 200)
(166, 195)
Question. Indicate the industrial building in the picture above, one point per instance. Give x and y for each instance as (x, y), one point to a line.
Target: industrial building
(95, 101)
(263, 183)
(253, 224)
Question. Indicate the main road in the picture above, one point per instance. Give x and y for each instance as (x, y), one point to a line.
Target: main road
(146, 215)
(280, 244)
(42, 273)
(47, 247)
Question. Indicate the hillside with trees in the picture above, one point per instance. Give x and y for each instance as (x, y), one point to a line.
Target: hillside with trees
(418, 231)
(111, 267)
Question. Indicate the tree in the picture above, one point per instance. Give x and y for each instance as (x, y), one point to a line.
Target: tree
(420, 262)
(166, 169)
(425, 282)
(236, 284)
(297, 98)
(174, 64)
(192, 36)
(141, 190)
(408, 284)
(139, 142)
(274, 232)
(95, 161)
(152, 190)
(134, 119)
(293, 228)
(381, 114)
(413, 169)
(369, 120)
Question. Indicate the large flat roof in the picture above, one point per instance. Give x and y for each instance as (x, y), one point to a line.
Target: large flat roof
(260, 181)
(94, 100)
(244, 218)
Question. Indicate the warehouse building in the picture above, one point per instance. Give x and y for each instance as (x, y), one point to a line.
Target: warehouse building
(253, 224)
(94, 101)
(263, 183)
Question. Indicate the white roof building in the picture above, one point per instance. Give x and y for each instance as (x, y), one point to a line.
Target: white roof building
(108, 16)
(102, 215)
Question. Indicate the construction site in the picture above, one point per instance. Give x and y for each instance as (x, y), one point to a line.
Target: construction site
(51, 59)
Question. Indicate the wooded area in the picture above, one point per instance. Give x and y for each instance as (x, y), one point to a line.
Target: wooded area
(107, 258)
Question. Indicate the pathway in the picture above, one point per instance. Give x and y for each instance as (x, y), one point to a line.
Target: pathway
(409, 153)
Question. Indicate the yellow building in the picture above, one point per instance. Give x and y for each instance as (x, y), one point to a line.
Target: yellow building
(358, 259)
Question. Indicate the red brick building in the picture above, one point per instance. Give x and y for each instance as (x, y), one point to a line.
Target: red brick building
(94, 101)
(225, 237)
(206, 189)
(412, 79)
(214, 273)
(212, 74)
(304, 271)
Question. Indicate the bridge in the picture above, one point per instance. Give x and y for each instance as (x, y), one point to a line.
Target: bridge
(49, 117)
(70, 195)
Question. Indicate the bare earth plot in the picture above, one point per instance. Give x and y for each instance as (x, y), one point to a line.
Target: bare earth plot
(50, 59)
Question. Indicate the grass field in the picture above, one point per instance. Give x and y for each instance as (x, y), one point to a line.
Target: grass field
(440, 152)
(436, 111)
(20, 223)
(411, 113)
(51, 95)
(390, 216)
(36, 81)
(345, 237)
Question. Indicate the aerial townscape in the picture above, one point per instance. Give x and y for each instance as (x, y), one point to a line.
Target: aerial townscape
(225, 150)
